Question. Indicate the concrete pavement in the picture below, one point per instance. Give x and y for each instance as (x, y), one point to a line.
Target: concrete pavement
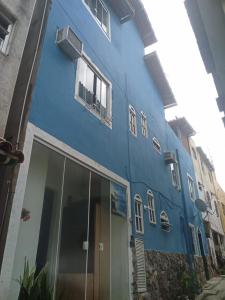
(214, 289)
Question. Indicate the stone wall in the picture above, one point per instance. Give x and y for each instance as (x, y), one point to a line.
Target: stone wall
(199, 268)
(163, 274)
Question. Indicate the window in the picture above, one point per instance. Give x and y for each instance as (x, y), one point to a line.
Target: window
(164, 220)
(223, 207)
(208, 200)
(132, 120)
(194, 240)
(191, 187)
(151, 207)
(100, 13)
(194, 153)
(144, 125)
(92, 89)
(203, 168)
(216, 208)
(175, 175)
(210, 177)
(156, 144)
(6, 26)
(139, 214)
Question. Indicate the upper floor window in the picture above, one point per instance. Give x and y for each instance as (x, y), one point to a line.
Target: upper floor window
(175, 175)
(194, 240)
(156, 144)
(93, 89)
(203, 167)
(132, 120)
(144, 125)
(216, 208)
(139, 214)
(191, 187)
(208, 200)
(223, 207)
(6, 27)
(100, 12)
(151, 207)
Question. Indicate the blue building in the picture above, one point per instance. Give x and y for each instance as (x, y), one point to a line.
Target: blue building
(107, 190)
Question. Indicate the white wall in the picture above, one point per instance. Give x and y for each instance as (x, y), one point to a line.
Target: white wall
(29, 231)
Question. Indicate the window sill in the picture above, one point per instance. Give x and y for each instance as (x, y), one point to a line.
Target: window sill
(91, 110)
(5, 54)
(134, 135)
(152, 223)
(140, 233)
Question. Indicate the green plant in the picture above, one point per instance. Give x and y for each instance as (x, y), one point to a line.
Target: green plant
(189, 285)
(35, 286)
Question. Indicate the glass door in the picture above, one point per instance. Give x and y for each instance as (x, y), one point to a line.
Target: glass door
(84, 251)
(99, 237)
(75, 226)
(73, 241)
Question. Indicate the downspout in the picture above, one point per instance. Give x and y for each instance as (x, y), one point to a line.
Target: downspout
(186, 225)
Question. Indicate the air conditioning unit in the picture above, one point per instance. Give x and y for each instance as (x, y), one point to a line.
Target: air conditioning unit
(170, 157)
(69, 43)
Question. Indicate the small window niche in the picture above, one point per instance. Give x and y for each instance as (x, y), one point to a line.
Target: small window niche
(164, 222)
(6, 30)
(156, 145)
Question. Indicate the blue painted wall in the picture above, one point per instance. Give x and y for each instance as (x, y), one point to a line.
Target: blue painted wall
(55, 111)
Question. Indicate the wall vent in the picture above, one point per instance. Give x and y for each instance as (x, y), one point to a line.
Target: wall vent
(70, 44)
(141, 273)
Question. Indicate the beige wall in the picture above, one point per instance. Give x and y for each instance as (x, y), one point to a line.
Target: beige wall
(209, 185)
(221, 199)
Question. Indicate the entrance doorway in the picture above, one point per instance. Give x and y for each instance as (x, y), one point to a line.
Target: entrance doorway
(78, 226)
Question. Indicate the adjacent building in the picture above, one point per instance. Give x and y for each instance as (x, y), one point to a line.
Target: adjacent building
(208, 21)
(106, 194)
(207, 191)
(221, 199)
(21, 32)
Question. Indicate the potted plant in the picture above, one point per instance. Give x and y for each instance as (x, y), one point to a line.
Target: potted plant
(35, 286)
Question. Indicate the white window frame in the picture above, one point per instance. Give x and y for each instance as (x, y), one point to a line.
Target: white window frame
(176, 183)
(138, 211)
(165, 219)
(107, 34)
(209, 199)
(156, 145)
(132, 120)
(108, 120)
(195, 239)
(144, 125)
(216, 208)
(191, 187)
(4, 45)
(151, 207)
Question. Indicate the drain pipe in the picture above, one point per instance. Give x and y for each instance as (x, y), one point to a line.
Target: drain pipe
(185, 223)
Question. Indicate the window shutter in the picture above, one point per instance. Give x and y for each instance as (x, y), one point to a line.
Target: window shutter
(141, 274)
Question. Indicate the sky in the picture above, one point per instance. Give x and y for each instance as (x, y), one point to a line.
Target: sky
(193, 88)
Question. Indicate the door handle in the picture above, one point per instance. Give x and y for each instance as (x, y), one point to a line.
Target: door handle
(85, 245)
(101, 247)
